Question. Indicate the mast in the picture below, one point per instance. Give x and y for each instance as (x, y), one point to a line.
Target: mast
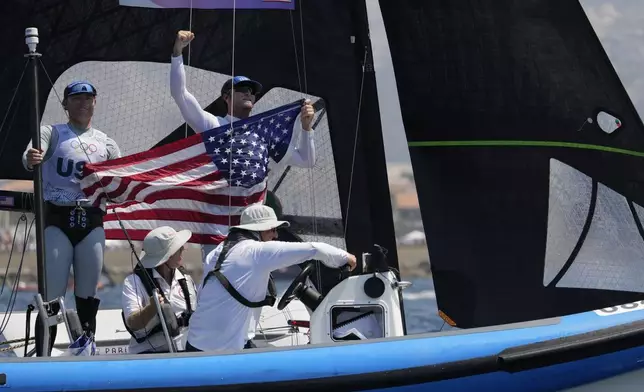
(31, 39)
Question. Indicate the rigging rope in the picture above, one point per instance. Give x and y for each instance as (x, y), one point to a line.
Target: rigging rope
(13, 243)
(305, 90)
(355, 141)
(15, 341)
(232, 118)
(13, 295)
(14, 292)
(297, 59)
(306, 86)
(13, 98)
(189, 56)
(318, 264)
(11, 348)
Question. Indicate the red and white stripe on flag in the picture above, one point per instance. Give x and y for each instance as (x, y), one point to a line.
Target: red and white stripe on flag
(175, 185)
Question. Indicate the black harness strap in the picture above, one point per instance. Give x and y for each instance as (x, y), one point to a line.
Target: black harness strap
(75, 222)
(146, 276)
(150, 284)
(186, 294)
(270, 298)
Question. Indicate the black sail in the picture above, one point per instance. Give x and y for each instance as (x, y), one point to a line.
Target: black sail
(530, 210)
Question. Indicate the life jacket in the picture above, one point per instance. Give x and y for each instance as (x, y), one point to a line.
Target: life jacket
(271, 295)
(146, 276)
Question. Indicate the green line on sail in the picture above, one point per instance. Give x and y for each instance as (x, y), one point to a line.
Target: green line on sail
(524, 143)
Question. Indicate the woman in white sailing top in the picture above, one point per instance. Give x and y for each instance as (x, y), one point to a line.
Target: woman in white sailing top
(73, 230)
(161, 261)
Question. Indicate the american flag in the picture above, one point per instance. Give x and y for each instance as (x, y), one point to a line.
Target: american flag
(201, 183)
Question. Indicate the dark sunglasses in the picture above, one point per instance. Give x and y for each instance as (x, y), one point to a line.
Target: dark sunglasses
(243, 90)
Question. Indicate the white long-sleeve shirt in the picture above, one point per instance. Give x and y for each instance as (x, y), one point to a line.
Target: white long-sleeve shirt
(220, 323)
(301, 151)
(256, 313)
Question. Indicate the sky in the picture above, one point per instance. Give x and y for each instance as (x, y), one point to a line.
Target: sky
(620, 27)
(618, 23)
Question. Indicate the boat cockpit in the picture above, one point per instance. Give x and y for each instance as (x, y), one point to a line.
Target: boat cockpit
(362, 306)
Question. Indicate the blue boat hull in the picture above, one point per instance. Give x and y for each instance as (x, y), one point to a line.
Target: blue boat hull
(544, 355)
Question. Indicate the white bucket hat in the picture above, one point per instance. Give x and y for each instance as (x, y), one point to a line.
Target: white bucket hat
(259, 217)
(160, 244)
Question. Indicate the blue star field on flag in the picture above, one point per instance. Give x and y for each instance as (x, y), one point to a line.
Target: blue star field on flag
(241, 152)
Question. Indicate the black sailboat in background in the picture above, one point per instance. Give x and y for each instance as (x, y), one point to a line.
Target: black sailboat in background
(464, 70)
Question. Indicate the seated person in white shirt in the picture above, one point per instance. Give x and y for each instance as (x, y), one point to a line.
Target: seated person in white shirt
(220, 321)
(161, 258)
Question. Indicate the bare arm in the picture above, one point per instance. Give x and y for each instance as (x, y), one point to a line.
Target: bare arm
(137, 315)
(139, 320)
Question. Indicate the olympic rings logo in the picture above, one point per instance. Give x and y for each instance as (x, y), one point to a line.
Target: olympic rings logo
(88, 148)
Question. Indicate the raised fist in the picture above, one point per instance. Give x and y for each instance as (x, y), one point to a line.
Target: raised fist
(184, 38)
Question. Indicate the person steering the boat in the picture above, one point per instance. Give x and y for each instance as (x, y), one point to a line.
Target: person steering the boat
(160, 268)
(236, 283)
(73, 230)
